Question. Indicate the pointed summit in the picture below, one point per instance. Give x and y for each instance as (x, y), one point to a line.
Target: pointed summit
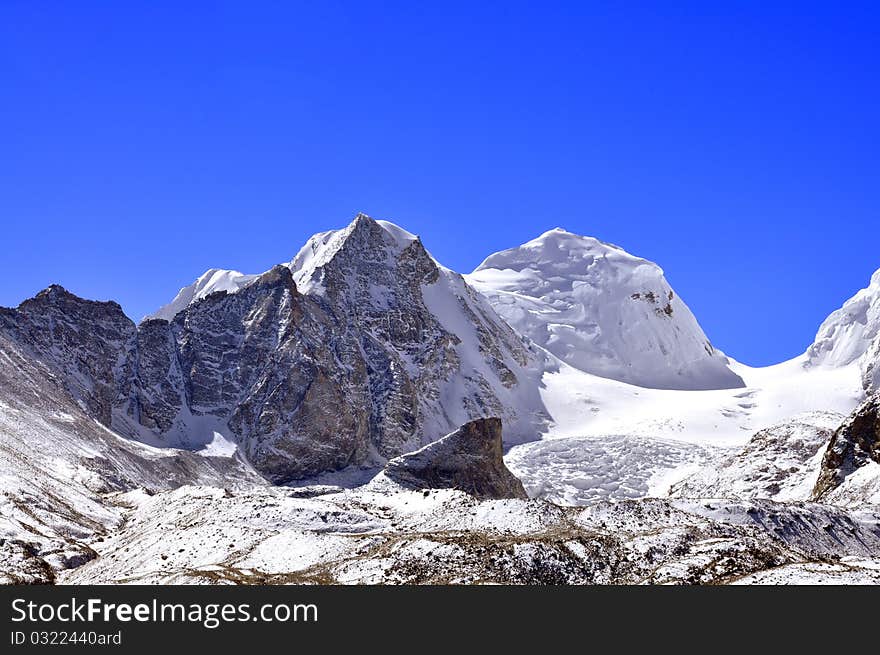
(363, 240)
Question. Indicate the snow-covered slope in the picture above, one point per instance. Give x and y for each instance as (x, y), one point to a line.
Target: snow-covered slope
(781, 463)
(199, 535)
(582, 404)
(57, 463)
(852, 335)
(603, 311)
(211, 281)
(613, 440)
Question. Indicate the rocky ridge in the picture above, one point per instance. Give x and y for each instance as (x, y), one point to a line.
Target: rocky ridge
(387, 352)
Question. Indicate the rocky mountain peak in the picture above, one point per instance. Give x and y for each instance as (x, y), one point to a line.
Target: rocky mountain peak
(57, 295)
(365, 243)
(361, 349)
(277, 276)
(83, 341)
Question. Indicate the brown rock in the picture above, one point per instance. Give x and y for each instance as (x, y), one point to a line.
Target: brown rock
(854, 444)
(469, 459)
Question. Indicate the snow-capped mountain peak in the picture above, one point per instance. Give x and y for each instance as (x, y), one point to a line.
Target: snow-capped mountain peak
(366, 234)
(555, 263)
(320, 249)
(851, 335)
(362, 313)
(211, 281)
(602, 310)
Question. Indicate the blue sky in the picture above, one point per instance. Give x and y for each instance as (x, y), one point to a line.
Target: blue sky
(143, 143)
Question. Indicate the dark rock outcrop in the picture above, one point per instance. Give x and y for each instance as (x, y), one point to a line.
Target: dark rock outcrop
(87, 343)
(469, 459)
(854, 444)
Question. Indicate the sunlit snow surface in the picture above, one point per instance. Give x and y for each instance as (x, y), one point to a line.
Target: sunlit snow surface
(603, 311)
(612, 440)
(210, 282)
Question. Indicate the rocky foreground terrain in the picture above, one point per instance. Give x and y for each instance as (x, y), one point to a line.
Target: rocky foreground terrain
(362, 414)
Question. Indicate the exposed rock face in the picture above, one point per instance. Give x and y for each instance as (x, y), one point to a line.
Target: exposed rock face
(272, 366)
(855, 446)
(59, 463)
(437, 354)
(87, 343)
(470, 459)
(159, 376)
(385, 352)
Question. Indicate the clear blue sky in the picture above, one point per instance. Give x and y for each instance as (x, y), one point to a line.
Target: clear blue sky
(143, 143)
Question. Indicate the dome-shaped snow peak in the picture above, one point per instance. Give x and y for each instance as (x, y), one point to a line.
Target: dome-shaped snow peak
(602, 310)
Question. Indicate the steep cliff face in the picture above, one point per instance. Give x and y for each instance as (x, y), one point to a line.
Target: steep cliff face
(265, 368)
(291, 388)
(437, 354)
(60, 468)
(385, 352)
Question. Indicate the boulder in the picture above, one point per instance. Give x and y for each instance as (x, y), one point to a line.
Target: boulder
(469, 459)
